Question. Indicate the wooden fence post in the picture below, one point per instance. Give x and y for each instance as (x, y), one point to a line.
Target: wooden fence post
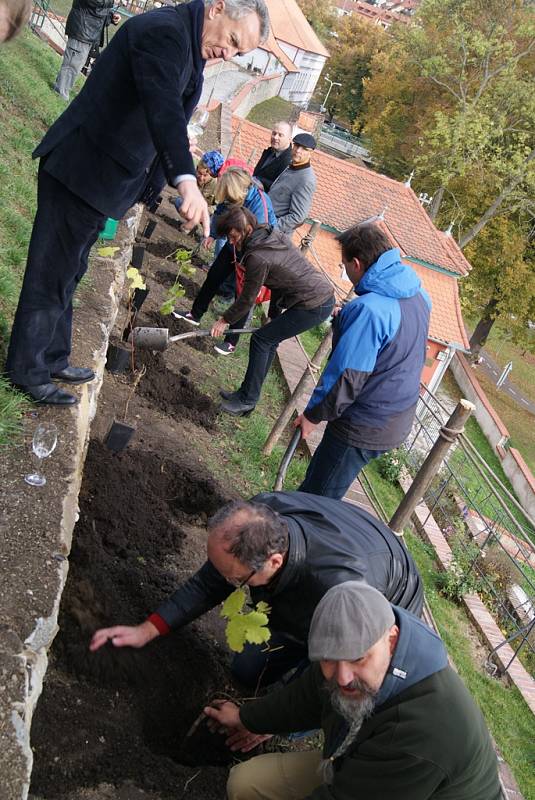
(447, 436)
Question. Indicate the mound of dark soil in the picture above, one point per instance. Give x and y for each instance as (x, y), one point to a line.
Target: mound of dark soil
(122, 714)
(163, 248)
(174, 394)
(167, 278)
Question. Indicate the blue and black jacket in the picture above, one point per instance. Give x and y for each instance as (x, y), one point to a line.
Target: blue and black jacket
(369, 389)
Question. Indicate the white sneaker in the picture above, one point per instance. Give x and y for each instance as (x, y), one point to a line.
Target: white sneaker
(225, 348)
(188, 317)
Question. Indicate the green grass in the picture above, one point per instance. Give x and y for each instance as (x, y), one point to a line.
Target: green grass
(508, 717)
(27, 108)
(241, 439)
(468, 476)
(13, 406)
(271, 111)
(502, 350)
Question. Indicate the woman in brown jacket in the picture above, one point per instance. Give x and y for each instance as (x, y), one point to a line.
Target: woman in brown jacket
(269, 259)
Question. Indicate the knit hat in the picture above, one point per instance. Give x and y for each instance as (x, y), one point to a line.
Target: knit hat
(305, 140)
(349, 619)
(235, 162)
(214, 161)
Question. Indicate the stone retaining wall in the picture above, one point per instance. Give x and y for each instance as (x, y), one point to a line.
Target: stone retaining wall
(38, 522)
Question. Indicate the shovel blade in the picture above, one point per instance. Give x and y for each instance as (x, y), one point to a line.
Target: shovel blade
(150, 338)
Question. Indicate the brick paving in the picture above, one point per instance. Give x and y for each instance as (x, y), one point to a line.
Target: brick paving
(293, 363)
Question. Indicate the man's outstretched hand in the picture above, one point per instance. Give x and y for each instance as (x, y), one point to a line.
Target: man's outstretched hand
(194, 208)
(124, 635)
(224, 717)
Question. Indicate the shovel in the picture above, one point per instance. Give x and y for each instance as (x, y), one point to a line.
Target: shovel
(287, 457)
(159, 339)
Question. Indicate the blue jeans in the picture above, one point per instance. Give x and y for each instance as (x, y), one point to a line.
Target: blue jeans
(265, 341)
(334, 466)
(259, 665)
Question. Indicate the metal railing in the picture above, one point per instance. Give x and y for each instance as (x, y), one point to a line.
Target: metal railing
(492, 537)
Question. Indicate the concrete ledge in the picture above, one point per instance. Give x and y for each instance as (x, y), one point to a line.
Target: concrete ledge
(37, 523)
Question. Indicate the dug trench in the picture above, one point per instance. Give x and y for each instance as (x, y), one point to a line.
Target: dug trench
(113, 723)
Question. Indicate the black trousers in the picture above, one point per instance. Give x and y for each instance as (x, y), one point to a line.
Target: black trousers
(221, 269)
(64, 230)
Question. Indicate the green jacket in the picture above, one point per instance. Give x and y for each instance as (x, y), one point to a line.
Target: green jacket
(429, 741)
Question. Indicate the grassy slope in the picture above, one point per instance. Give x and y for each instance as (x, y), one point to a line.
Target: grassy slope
(27, 107)
(271, 111)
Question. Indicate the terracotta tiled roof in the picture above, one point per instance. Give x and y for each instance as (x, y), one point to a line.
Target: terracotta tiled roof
(373, 13)
(348, 193)
(446, 322)
(289, 24)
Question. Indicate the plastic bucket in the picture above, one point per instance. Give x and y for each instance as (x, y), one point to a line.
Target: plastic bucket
(110, 229)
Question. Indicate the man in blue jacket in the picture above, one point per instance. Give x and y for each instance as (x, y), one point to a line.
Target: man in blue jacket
(120, 140)
(369, 389)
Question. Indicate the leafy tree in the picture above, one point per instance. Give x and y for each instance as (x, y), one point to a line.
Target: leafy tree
(320, 16)
(352, 52)
(454, 98)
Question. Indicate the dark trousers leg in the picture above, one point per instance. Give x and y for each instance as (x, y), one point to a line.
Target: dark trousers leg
(334, 466)
(222, 267)
(260, 665)
(233, 338)
(63, 231)
(265, 341)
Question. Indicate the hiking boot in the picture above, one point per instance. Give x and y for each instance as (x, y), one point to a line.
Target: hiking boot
(187, 317)
(225, 348)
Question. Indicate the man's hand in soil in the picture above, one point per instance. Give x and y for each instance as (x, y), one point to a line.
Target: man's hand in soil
(219, 328)
(124, 635)
(207, 242)
(224, 717)
(194, 208)
(306, 426)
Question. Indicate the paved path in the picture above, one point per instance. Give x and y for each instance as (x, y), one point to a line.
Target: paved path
(493, 371)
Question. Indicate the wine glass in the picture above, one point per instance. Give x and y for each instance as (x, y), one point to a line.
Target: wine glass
(44, 442)
(197, 123)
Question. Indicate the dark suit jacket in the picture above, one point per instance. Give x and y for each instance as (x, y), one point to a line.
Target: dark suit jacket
(127, 128)
(267, 174)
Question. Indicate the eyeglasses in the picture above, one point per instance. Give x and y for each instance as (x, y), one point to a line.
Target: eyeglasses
(239, 583)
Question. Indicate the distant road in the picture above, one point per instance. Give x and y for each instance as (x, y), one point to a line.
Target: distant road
(493, 371)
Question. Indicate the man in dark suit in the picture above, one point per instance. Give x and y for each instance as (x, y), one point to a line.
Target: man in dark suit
(118, 142)
(276, 158)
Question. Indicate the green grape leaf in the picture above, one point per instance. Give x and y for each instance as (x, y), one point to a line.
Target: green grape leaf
(249, 627)
(107, 252)
(263, 608)
(233, 604)
(167, 307)
(188, 270)
(182, 255)
(135, 278)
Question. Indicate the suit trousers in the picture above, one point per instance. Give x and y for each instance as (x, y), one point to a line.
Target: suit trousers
(64, 230)
(276, 776)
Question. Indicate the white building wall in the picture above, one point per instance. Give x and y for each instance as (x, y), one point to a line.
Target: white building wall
(299, 87)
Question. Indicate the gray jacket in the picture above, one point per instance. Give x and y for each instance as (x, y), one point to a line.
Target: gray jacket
(291, 195)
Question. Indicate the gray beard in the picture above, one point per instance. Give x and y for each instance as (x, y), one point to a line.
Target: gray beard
(354, 711)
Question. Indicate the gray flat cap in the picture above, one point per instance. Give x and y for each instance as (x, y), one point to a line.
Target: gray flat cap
(348, 620)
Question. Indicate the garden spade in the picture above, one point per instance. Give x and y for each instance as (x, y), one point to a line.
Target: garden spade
(159, 339)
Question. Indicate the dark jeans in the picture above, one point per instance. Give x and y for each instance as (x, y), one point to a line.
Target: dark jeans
(259, 665)
(64, 230)
(221, 269)
(334, 466)
(265, 340)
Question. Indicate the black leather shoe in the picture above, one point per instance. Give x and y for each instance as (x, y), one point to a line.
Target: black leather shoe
(50, 394)
(74, 375)
(227, 395)
(237, 408)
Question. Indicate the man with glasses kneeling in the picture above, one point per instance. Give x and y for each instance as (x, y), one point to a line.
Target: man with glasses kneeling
(289, 548)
